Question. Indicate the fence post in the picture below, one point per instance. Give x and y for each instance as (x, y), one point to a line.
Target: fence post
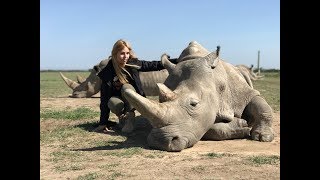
(258, 62)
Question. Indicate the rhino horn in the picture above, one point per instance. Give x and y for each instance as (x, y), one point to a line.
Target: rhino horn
(149, 109)
(72, 84)
(165, 94)
(167, 64)
(80, 79)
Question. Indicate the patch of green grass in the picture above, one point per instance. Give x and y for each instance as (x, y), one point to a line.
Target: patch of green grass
(271, 74)
(214, 155)
(63, 168)
(73, 156)
(116, 175)
(109, 166)
(115, 140)
(79, 113)
(89, 176)
(198, 169)
(259, 160)
(155, 154)
(125, 152)
(52, 85)
(61, 134)
(269, 88)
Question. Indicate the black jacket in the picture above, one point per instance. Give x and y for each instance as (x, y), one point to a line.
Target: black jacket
(108, 74)
(109, 89)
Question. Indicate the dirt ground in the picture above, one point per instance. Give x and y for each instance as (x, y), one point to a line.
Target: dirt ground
(192, 163)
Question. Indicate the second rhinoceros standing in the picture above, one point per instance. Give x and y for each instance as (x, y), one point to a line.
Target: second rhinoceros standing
(203, 98)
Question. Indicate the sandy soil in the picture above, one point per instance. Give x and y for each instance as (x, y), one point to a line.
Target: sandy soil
(192, 163)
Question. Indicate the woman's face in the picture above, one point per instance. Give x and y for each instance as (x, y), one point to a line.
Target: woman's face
(123, 56)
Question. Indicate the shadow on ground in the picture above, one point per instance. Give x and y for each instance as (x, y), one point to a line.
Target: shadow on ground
(137, 138)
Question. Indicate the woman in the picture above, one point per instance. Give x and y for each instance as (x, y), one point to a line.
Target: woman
(122, 71)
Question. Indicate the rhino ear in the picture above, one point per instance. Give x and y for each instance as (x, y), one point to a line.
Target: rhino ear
(213, 58)
(90, 87)
(80, 79)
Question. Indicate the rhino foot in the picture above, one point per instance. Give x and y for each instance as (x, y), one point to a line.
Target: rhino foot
(128, 119)
(262, 134)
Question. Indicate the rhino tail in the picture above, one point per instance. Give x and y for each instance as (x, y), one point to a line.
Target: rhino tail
(72, 84)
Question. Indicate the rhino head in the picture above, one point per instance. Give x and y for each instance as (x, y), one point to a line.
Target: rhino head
(84, 89)
(88, 87)
(197, 93)
(186, 105)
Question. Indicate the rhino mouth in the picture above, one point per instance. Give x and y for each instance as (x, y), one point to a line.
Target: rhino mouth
(81, 94)
(168, 133)
(160, 138)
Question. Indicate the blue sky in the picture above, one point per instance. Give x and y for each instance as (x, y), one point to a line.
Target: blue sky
(77, 34)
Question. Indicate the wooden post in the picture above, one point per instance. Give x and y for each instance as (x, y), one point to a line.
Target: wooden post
(258, 63)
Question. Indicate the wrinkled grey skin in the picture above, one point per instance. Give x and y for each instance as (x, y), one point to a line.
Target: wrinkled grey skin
(90, 86)
(203, 98)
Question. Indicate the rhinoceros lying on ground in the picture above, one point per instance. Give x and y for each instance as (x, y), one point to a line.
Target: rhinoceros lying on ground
(203, 98)
(248, 74)
(249, 71)
(90, 86)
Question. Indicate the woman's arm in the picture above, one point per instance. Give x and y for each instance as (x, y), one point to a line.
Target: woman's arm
(153, 65)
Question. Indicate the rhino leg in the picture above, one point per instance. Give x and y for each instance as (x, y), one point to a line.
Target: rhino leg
(260, 116)
(235, 129)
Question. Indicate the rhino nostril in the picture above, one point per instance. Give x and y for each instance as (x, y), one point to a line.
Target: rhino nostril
(175, 138)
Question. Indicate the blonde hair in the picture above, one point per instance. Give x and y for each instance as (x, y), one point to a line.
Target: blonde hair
(118, 46)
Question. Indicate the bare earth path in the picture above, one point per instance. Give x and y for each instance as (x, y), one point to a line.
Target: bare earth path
(231, 159)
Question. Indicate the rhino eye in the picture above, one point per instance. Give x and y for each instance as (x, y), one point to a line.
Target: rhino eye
(194, 102)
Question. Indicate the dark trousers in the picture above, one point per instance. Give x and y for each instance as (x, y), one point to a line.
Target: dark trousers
(116, 104)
